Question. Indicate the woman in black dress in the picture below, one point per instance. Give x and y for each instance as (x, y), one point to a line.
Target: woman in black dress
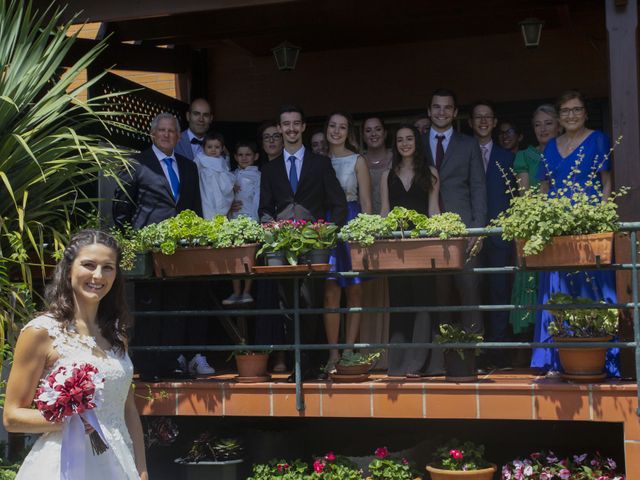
(410, 183)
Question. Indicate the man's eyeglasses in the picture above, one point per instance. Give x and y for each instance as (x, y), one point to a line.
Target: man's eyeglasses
(507, 132)
(565, 112)
(272, 138)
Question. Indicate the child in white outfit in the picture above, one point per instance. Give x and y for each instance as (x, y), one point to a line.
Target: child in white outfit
(216, 181)
(247, 193)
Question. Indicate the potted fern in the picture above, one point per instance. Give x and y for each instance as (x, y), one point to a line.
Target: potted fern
(426, 242)
(188, 245)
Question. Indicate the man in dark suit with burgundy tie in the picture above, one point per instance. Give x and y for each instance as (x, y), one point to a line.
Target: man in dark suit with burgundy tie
(300, 185)
(159, 185)
(462, 190)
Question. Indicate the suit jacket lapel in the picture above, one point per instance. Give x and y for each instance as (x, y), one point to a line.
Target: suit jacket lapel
(453, 143)
(307, 166)
(154, 164)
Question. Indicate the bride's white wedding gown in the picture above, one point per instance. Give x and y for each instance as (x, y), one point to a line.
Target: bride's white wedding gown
(44, 459)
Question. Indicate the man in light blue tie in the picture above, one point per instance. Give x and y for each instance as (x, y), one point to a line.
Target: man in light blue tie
(160, 184)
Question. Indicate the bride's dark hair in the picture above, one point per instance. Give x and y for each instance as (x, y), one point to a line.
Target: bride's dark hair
(113, 315)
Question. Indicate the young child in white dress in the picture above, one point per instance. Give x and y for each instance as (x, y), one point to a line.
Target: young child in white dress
(247, 193)
(216, 181)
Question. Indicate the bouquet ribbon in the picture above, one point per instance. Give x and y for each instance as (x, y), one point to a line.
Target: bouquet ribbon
(72, 455)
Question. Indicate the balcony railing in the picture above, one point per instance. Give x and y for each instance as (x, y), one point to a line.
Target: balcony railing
(297, 312)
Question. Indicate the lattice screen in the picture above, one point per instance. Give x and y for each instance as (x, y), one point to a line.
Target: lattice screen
(141, 104)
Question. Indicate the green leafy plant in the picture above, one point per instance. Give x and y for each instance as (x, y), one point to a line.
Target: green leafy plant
(581, 322)
(187, 229)
(351, 358)
(365, 229)
(537, 217)
(280, 468)
(131, 244)
(295, 238)
(387, 467)
(334, 467)
(458, 455)
(454, 334)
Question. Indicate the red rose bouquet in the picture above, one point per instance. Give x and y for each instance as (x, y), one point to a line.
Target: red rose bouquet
(73, 390)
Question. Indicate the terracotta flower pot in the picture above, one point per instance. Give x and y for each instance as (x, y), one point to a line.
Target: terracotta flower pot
(409, 254)
(202, 261)
(481, 474)
(570, 251)
(583, 363)
(252, 364)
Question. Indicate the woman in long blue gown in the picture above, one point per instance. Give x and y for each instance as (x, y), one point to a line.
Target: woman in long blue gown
(589, 150)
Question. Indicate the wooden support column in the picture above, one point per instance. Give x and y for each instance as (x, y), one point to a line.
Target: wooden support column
(622, 22)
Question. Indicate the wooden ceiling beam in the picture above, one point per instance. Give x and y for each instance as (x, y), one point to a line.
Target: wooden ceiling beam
(134, 57)
(122, 10)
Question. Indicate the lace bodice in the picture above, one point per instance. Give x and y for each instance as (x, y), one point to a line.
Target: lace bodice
(117, 369)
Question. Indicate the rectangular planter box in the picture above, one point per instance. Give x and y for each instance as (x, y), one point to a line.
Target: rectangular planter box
(409, 254)
(202, 261)
(571, 251)
(142, 267)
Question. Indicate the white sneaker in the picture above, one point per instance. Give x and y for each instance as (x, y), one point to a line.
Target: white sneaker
(182, 363)
(245, 298)
(232, 300)
(199, 365)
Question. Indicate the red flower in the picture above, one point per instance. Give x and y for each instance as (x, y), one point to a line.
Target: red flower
(318, 466)
(282, 467)
(330, 457)
(382, 452)
(456, 454)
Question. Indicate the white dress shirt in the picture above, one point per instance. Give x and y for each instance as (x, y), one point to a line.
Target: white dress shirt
(299, 158)
(161, 156)
(195, 148)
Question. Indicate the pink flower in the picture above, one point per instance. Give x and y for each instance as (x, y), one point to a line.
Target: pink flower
(282, 467)
(382, 452)
(564, 474)
(535, 455)
(330, 456)
(405, 461)
(456, 454)
(528, 471)
(579, 458)
(318, 466)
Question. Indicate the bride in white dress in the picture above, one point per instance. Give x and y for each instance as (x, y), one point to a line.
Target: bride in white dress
(85, 321)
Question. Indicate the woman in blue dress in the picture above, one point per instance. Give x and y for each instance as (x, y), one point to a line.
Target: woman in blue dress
(353, 175)
(582, 156)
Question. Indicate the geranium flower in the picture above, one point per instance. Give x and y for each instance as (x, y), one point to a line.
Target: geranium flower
(382, 452)
(528, 471)
(330, 456)
(318, 466)
(612, 464)
(456, 454)
(282, 467)
(535, 455)
(564, 474)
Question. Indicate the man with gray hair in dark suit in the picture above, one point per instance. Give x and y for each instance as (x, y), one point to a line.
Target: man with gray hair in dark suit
(458, 159)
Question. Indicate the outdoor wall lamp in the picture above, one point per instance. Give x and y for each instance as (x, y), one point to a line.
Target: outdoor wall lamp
(286, 55)
(531, 31)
